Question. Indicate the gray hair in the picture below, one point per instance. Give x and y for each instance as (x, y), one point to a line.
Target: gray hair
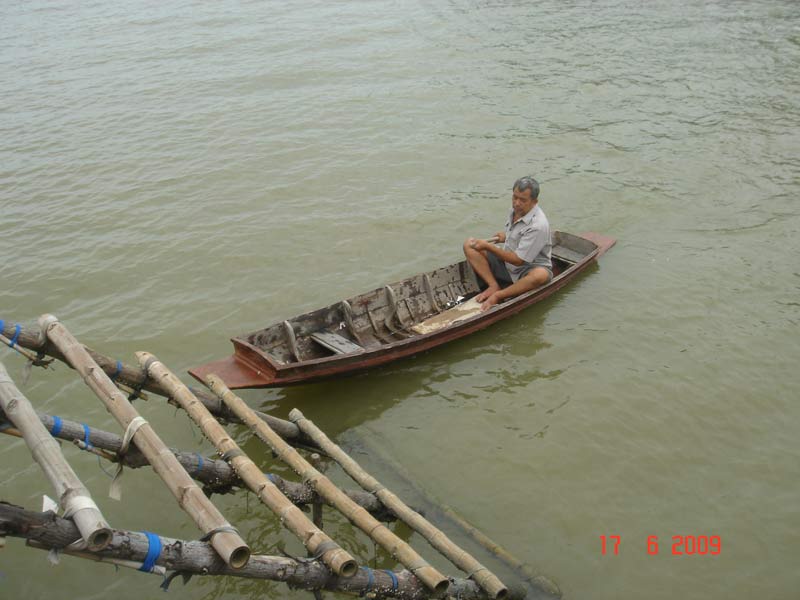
(527, 183)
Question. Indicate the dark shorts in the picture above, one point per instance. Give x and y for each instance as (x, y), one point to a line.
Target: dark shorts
(501, 274)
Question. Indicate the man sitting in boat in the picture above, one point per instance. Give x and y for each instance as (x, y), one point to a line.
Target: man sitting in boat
(523, 262)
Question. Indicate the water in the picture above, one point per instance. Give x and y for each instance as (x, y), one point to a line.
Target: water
(173, 175)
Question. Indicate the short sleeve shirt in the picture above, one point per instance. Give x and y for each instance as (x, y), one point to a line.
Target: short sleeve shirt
(529, 238)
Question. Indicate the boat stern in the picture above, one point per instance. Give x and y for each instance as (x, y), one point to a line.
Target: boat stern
(603, 242)
(235, 372)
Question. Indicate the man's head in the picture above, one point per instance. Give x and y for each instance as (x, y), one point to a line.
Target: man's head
(526, 194)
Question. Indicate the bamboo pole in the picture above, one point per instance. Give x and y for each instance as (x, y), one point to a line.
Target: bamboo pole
(194, 557)
(315, 540)
(458, 556)
(226, 541)
(526, 572)
(135, 378)
(217, 475)
(72, 495)
(378, 532)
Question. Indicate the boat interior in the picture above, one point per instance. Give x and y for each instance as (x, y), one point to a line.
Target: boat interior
(417, 305)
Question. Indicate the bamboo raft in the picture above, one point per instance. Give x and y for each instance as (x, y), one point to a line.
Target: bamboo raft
(82, 531)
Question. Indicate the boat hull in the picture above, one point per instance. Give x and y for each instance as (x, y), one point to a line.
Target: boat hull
(251, 367)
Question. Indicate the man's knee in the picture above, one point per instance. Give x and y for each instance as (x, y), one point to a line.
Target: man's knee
(537, 277)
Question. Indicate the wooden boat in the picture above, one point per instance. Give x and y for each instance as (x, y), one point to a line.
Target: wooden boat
(387, 323)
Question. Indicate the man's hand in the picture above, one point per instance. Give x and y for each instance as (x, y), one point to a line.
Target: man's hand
(477, 244)
(500, 236)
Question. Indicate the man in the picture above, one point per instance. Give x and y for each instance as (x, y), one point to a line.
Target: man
(524, 261)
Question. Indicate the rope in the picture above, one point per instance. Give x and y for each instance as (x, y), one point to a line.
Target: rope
(325, 547)
(86, 432)
(14, 339)
(137, 389)
(199, 464)
(79, 503)
(153, 552)
(395, 583)
(233, 453)
(370, 581)
(115, 490)
(223, 529)
(117, 371)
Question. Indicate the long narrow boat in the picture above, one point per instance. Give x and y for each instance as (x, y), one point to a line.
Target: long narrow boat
(388, 323)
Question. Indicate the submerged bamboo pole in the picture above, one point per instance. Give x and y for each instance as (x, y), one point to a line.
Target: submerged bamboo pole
(135, 378)
(72, 495)
(458, 556)
(194, 557)
(226, 541)
(216, 475)
(527, 573)
(315, 540)
(378, 532)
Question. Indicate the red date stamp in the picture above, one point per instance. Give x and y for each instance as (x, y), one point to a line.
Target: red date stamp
(682, 545)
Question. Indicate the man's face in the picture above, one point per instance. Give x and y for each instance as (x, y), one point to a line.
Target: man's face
(522, 203)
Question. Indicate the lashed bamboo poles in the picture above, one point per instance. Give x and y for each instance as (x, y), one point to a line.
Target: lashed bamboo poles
(72, 495)
(217, 475)
(458, 556)
(230, 546)
(199, 558)
(315, 540)
(135, 378)
(378, 532)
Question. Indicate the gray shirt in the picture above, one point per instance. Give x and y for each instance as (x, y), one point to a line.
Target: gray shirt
(528, 238)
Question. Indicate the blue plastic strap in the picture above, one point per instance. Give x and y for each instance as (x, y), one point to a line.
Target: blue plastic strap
(56, 426)
(2, 326)
(370, 580)
(16, 336)
(272, 478)
(153, 552)
(395, 583)
(118, 371)
(199, 462)
(86, 435)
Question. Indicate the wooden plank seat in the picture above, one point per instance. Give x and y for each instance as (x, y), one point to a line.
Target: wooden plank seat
(335, 342)
(566, 254)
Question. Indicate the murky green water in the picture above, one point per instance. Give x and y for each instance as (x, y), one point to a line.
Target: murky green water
(172, 175)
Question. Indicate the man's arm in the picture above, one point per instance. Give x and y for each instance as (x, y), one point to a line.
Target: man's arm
(504, 255)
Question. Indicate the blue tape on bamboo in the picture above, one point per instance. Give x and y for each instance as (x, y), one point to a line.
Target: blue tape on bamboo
(118, 371)
(57, 423)
(2, 326)
(14, 339)
(395, 583)
(199, 463)
(153, 552)
(370, 580)
(86, 435)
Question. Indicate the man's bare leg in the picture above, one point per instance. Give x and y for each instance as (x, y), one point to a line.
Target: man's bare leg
(533, 279)
(480, 264)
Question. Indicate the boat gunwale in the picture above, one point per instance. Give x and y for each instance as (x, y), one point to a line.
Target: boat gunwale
(496, 313)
